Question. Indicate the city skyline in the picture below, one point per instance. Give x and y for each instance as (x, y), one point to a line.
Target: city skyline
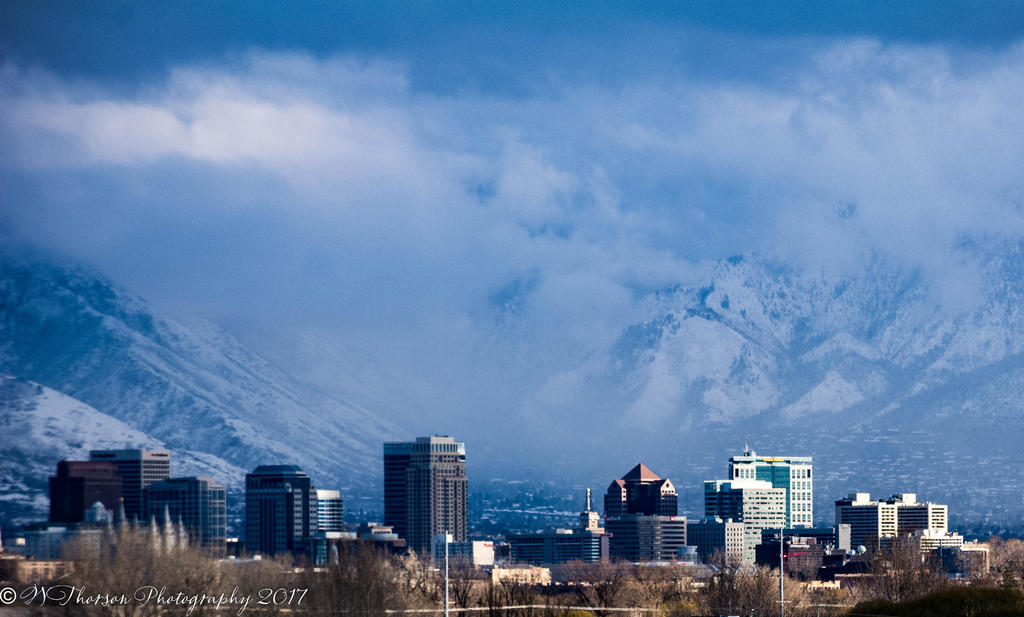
(648, 234)
(552, 308)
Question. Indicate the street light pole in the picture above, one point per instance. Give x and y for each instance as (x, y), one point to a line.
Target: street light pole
(782, 574)
(445, 573)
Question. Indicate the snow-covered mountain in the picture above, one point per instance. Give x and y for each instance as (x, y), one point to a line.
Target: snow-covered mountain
(189, 386)
(39, 426)
(889, 383)
(766, 338)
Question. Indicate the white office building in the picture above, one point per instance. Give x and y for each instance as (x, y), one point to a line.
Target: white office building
(794, 474)
(755, 503)
(872, 522)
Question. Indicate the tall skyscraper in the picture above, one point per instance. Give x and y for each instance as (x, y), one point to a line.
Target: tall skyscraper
(80, 484)
(198, 503)
(280, 509)
(755, 503)
(425, 490)
(137, 469)
(640, 514)
(792, 473)
(330, 511)
(396, 487)
(641, 491)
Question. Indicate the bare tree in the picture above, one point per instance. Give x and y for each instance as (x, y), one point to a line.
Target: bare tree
(1007, 559)
(721, 591)
(898, 572)
(656, 586)
(464, 581)
(142, 566)
(362, 583)
(599, 585)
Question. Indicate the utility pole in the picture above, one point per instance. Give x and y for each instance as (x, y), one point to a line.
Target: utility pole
(782, 573)
(445, 573)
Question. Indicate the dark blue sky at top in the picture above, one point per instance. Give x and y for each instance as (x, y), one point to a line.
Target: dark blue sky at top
(485, 46)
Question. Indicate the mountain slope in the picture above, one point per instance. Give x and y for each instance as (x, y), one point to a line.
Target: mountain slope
(190, 385)
(873, 373)
(40, 426)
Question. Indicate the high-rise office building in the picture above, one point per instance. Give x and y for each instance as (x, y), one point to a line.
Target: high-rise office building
(872, 522)
(425, 490)
(396, 487)
(792, 473)
(199, 504)
(646, 537)
(755, 503)
(641, 491)
(640, 514)
(330, 511)
(80, 484)
(280, 509)
(137, 469)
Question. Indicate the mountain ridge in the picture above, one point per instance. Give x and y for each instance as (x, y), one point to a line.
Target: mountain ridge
(192, 386)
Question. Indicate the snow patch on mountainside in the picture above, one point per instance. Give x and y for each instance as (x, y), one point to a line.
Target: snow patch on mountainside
(842, 343)
(833, 394)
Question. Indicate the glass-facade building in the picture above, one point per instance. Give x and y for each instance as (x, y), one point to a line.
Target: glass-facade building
(197, 503)
(330, 511)
(792, 473)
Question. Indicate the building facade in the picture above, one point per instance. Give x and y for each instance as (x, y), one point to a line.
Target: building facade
(425, 490)
(754, 503)
(589, 542)
(641, 491)
(475, 553)
(137, 470)
(199, 504)
(642, 538)
(716, 538)
(397, 456)
(792, 473)
(330, 511)
(640, 514)
(873, 522)
(80, 484)
(838, 537)
(280, 509)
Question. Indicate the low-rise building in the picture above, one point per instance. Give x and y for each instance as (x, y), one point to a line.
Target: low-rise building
(527, 575)
(589, 542)
(803, 556)
(477, 553)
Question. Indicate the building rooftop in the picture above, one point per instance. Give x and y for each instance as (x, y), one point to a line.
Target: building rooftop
(642, 473)
(272, 469)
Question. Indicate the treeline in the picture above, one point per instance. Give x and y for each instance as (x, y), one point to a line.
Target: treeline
(360, 581)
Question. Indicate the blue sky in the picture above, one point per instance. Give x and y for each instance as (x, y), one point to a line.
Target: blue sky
(486, 193)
